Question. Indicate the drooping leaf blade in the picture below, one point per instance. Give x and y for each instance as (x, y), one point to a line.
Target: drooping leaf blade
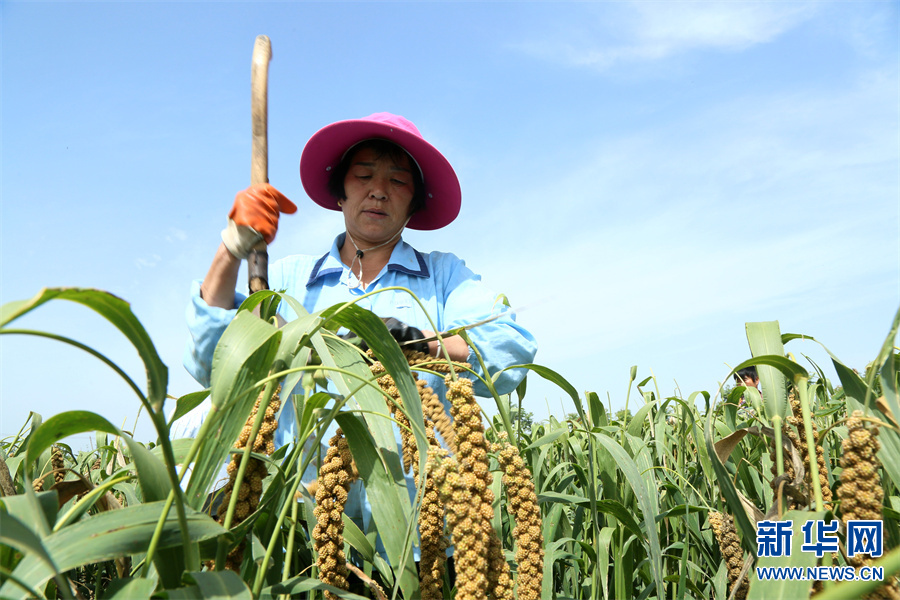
(118, 313)
(107, 536)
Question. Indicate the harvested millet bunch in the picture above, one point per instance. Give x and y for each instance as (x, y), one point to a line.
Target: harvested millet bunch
(433, 544)
(463, 512)
(432, 408)
(431, 516)
(250, 490)
(434, 411)
(335, 476)
(408, 440)
(431, 404)
(522, 502)
(474, 470)
(730, 546)
(499, 577)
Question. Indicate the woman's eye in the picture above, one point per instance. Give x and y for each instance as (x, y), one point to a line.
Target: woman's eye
(398, 182)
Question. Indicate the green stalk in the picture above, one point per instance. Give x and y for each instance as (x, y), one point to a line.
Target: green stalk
(681, 585)
(519, 421)
(631, 379)
(286, 572)
(619, 575)
(157, 534)
(12, 447)
(192, 452)
(261, 571)
(191, 551)
(98, 580)
(800, 385)
(222, 550)
(504, 415)
(779, 450)
(652, 419)
(684, 449)
(681, 447)
(595, 576)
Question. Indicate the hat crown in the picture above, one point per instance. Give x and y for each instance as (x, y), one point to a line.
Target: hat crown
(394, 121)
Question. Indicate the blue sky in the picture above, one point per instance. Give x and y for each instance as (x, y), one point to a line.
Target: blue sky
(640, 179)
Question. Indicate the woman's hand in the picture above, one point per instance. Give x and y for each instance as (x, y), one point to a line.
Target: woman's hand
(413, 338)
(456, 347)
(254, 217)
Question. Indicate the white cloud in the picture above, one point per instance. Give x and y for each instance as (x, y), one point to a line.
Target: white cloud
(666, 28)
(868, 30)
(765, 206)
(176, 235)
(648, 31)
(147, 262)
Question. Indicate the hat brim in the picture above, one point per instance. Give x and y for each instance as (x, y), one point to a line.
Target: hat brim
(325, 148)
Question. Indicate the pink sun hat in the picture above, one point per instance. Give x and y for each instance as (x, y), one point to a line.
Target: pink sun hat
(324, 150)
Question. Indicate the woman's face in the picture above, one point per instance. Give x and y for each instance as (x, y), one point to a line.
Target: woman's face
(378, 194)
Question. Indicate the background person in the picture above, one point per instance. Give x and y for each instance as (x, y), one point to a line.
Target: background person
(747, 377)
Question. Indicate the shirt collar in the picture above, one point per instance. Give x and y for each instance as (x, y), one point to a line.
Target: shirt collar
(404, 259)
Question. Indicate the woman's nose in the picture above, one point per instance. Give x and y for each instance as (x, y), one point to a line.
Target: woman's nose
(379, 187)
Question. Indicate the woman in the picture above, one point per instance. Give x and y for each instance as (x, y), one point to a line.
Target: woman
(382, 174)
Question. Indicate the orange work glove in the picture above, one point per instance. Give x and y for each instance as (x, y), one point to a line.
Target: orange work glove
(254, 217)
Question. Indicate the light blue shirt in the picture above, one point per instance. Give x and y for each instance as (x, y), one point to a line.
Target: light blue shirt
(452, 294)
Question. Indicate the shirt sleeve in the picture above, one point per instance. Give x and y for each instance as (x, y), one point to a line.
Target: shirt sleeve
(502, 342)
(206, 324)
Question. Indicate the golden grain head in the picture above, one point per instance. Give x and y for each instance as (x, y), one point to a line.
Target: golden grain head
(866, 452)
(859, 437)
(849, 458)
(868, 497)
(244, 491)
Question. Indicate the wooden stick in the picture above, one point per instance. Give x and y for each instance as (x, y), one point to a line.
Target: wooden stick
(258, 260)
